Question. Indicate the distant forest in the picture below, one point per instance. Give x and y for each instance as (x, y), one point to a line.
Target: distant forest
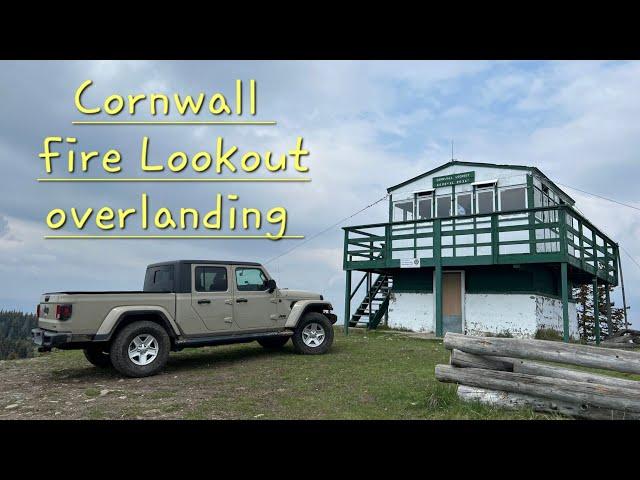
(15, 334)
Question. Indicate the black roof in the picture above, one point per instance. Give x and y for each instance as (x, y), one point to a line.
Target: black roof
(206, 262)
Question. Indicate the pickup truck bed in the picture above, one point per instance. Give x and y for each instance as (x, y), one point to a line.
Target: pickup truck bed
(91, 308)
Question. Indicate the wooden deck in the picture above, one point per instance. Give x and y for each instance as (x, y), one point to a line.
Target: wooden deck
(555, 234)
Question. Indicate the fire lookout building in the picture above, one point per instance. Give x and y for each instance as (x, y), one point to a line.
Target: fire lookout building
(476, 248)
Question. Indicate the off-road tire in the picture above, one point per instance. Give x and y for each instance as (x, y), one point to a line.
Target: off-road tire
(120, 349)
(273, 343)
(98, 355)
(298, 337)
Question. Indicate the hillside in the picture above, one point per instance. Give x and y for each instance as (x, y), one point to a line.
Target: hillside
(372, 375)
(15, 334)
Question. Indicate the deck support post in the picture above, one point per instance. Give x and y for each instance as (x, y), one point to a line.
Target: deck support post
(564, 281)
(437, 285)
(437, 290)
(347, 302)
(368, 295)
(607, 298)
(532, 216)
(596, 310)
(624, 297)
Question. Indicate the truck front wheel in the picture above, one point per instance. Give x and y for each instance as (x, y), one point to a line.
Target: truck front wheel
(140, 349)
(313, 334)
(96, 355)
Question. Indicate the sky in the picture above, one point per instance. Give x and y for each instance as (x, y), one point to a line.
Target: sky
(367, 125)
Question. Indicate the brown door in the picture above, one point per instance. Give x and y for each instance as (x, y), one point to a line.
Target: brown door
(452, 302)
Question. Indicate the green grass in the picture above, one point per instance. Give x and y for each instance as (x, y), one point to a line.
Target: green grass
(548, 334)
(366, 375)
(92, 392)
(502, 334)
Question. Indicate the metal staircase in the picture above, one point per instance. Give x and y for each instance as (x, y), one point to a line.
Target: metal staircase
(375, 304)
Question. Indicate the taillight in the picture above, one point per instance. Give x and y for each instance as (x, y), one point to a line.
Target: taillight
(63, 312)
(38, 311)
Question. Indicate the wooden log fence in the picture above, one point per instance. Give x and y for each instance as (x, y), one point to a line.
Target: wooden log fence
(499, 372)
(512, 400)
(574, 354)
(464, 359)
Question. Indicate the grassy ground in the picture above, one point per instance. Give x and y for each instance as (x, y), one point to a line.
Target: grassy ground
(367, 375)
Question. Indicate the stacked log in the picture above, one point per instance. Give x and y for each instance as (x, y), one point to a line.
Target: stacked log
(625, 338)
(501, 372)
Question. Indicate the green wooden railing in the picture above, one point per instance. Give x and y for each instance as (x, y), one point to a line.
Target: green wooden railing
(537, 235)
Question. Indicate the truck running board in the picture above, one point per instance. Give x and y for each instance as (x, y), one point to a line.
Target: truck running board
(228, 339)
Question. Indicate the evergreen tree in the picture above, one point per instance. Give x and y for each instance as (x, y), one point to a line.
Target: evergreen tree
(582, 296)
(584, 306)
(15, 334)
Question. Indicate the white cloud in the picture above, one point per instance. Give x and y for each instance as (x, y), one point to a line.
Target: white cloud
(368, 125)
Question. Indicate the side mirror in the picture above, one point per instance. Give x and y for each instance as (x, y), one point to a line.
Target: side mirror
(271, 285)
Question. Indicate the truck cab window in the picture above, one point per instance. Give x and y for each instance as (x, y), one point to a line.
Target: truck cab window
(159, 279)
(211, 279)
(250, 280)
(163, 275)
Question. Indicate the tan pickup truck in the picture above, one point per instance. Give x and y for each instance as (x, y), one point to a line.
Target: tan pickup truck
(185, 303)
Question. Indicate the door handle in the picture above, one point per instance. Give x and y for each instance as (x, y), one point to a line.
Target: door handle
(241, 300)
(204, 301)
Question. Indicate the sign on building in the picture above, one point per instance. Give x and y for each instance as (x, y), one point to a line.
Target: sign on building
(409, 263)
(454, 179)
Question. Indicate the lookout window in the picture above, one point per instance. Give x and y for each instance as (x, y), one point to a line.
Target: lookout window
(425, 205)
(403, 210)
(513, 199)
(484, 201)
(463, 204)
(443, 206)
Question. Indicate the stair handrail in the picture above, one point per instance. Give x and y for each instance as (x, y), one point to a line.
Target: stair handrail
(353, 293)
(377, 318)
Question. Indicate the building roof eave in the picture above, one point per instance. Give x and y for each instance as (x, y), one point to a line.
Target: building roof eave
(476, 164)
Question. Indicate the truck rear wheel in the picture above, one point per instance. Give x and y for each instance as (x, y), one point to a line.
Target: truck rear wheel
(313, 334)
(273, 343)
(98, 356)
(140, 349)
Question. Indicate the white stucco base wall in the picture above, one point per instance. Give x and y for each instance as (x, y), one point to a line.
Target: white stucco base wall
(500, 313)
(518, 314)
(549, 315)
(412, 311)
